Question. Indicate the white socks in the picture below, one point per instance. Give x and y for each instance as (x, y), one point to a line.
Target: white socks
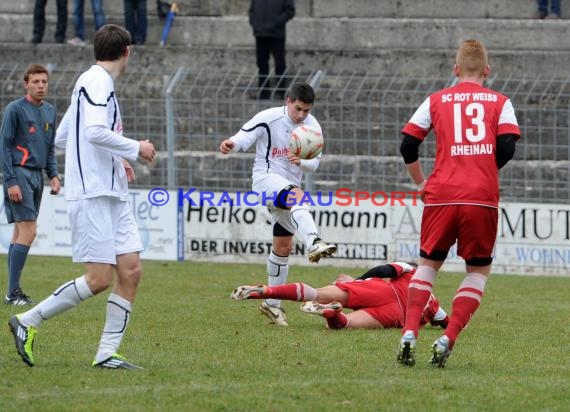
(118, 314)
(306, 226)
(70, 295)
(66, 297)
(277, 272)
(305, 293)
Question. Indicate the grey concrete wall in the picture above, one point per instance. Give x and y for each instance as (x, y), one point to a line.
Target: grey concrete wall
(509, 9)
(506, 9)
(116, 7)
(380, 45)
(340, 33)
(187, 7)
(411, 62)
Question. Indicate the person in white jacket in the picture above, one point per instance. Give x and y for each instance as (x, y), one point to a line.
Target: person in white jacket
(104, 231)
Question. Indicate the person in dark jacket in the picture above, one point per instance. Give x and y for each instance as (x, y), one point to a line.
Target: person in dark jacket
(268, 20)
(27, 143)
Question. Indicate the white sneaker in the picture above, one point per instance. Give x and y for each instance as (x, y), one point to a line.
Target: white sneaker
(248, 292)
(320, 250)
(275, 313)
(76, 41)
(322, 309)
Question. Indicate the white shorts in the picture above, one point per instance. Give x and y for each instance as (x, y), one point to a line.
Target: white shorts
(101, 229)
(270, 184)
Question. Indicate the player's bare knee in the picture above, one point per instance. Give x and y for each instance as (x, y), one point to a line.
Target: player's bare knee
(26, 233)
(282, 244)
(282, 251)
(130, 275)
(99, 279)
(296, 198)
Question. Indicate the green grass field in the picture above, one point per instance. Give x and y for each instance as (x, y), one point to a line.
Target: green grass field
(205, 352)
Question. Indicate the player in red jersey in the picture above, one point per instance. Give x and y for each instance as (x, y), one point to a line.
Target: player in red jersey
(475, 130)
(376, 303)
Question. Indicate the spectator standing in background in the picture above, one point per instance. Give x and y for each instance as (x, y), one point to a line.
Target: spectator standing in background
(79, 20)
(542, 12)
(136, 20)
(268, 20)
(40, 21)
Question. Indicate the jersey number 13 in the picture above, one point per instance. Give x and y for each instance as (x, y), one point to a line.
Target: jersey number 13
(475, 130)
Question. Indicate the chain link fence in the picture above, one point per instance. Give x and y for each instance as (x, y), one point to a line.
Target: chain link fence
(186, 114)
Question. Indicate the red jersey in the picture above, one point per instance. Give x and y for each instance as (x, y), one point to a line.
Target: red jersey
(384, 300)
(466, 119)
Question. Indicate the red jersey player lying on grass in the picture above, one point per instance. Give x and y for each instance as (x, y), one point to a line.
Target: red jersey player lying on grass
(376, 303)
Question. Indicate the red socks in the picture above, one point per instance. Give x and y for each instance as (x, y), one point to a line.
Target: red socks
(465, 303)
(299, 292)
(419, 292)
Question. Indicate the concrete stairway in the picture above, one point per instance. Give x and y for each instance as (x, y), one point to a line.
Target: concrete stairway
(412, 37)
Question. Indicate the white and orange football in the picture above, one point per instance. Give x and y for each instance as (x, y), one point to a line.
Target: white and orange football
(306, 142)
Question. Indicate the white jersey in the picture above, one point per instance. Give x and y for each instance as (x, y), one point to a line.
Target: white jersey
(271, 131)
(91, 134)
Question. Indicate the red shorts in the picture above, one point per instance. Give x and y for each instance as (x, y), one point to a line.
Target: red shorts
(377, 298)
(473, 227)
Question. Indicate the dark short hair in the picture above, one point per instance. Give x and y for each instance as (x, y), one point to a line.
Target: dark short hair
(302, 91)
(110, 42)
(34, 68)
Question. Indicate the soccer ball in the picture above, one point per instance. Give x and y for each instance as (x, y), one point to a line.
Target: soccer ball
(306, 142)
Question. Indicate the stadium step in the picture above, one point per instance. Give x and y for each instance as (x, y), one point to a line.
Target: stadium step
(337, 33)
(377, 36)
(509, 9)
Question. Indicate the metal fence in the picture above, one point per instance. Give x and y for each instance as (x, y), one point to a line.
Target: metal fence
(186, 114)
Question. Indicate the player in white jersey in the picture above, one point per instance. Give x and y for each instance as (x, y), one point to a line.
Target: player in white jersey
(104, 231)
(277, 178)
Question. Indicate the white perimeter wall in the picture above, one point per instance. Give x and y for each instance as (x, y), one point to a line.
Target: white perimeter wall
(532, 238)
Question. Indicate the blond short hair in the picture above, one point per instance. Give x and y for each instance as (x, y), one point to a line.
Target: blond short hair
(472, 58)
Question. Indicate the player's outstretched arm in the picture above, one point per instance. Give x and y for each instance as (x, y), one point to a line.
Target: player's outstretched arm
(227, 146)
(310, 165)
(146, 150)
(115, 143)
